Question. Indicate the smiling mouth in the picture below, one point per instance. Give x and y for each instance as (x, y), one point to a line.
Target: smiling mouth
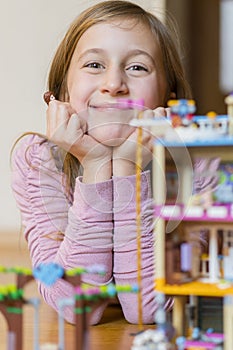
(121, 103)
(106, 106)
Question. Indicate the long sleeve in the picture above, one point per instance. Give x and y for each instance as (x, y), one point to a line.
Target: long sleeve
(72, 229)
(125, 245)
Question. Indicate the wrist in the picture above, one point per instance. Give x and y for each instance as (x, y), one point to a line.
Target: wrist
(94, 173)
(123, 167)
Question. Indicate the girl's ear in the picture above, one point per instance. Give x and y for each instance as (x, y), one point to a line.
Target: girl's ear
(172, 95)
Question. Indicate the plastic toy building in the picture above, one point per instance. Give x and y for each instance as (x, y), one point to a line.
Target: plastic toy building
(194, 255)
(199, 340)
(159, 338)
(11, 305)
(84, 302)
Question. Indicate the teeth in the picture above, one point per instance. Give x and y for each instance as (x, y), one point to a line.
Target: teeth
(109, 105)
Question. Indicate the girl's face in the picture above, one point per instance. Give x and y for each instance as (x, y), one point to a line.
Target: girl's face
(115, 60)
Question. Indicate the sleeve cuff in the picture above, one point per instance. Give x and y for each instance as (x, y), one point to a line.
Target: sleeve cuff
(124, 193)
(93, 200)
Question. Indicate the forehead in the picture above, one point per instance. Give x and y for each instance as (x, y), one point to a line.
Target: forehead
(122, 33)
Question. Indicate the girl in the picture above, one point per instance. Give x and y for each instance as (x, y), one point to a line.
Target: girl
(75, 186)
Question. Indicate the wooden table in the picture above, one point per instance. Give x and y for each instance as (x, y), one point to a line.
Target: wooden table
(112, 333)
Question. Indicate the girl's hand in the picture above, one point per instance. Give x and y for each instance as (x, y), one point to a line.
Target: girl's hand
(124, 156)
(68, 130)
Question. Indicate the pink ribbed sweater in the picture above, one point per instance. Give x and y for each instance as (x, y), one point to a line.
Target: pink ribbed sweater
(98, 222)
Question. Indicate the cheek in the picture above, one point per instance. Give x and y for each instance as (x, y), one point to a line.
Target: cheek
(78, 97)
(154, 94)
(154, 99)
(77, 100)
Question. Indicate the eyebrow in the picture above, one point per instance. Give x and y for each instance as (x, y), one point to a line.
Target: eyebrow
(133, 52)
(138, 52)
(86, 52)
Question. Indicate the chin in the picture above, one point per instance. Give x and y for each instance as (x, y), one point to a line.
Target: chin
(112, 142)
(110, 135)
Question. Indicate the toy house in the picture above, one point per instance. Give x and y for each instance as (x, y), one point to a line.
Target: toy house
(193, 232)
(180, 226)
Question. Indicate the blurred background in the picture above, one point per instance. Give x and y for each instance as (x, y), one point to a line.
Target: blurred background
(30, 32)
(206, 29)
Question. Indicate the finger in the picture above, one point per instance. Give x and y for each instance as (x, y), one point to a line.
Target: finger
(72, 134)
(58, 114)
(146, 137)
(147, 115)
(55, 117)
(77, 125)
(160, 112)
(168, 112)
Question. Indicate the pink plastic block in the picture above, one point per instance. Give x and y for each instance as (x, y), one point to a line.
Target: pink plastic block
(129, 103)
(199, 344)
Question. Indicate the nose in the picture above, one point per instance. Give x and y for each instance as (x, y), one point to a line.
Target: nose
(114, 82)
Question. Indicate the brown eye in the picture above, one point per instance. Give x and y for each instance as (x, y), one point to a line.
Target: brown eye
(137, 67)
(94, 65)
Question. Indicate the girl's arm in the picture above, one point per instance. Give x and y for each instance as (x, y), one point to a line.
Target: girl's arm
(69, 229)
(125, 245)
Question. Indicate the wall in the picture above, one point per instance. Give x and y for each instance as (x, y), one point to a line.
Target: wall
(199, 24)
(30, 30)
